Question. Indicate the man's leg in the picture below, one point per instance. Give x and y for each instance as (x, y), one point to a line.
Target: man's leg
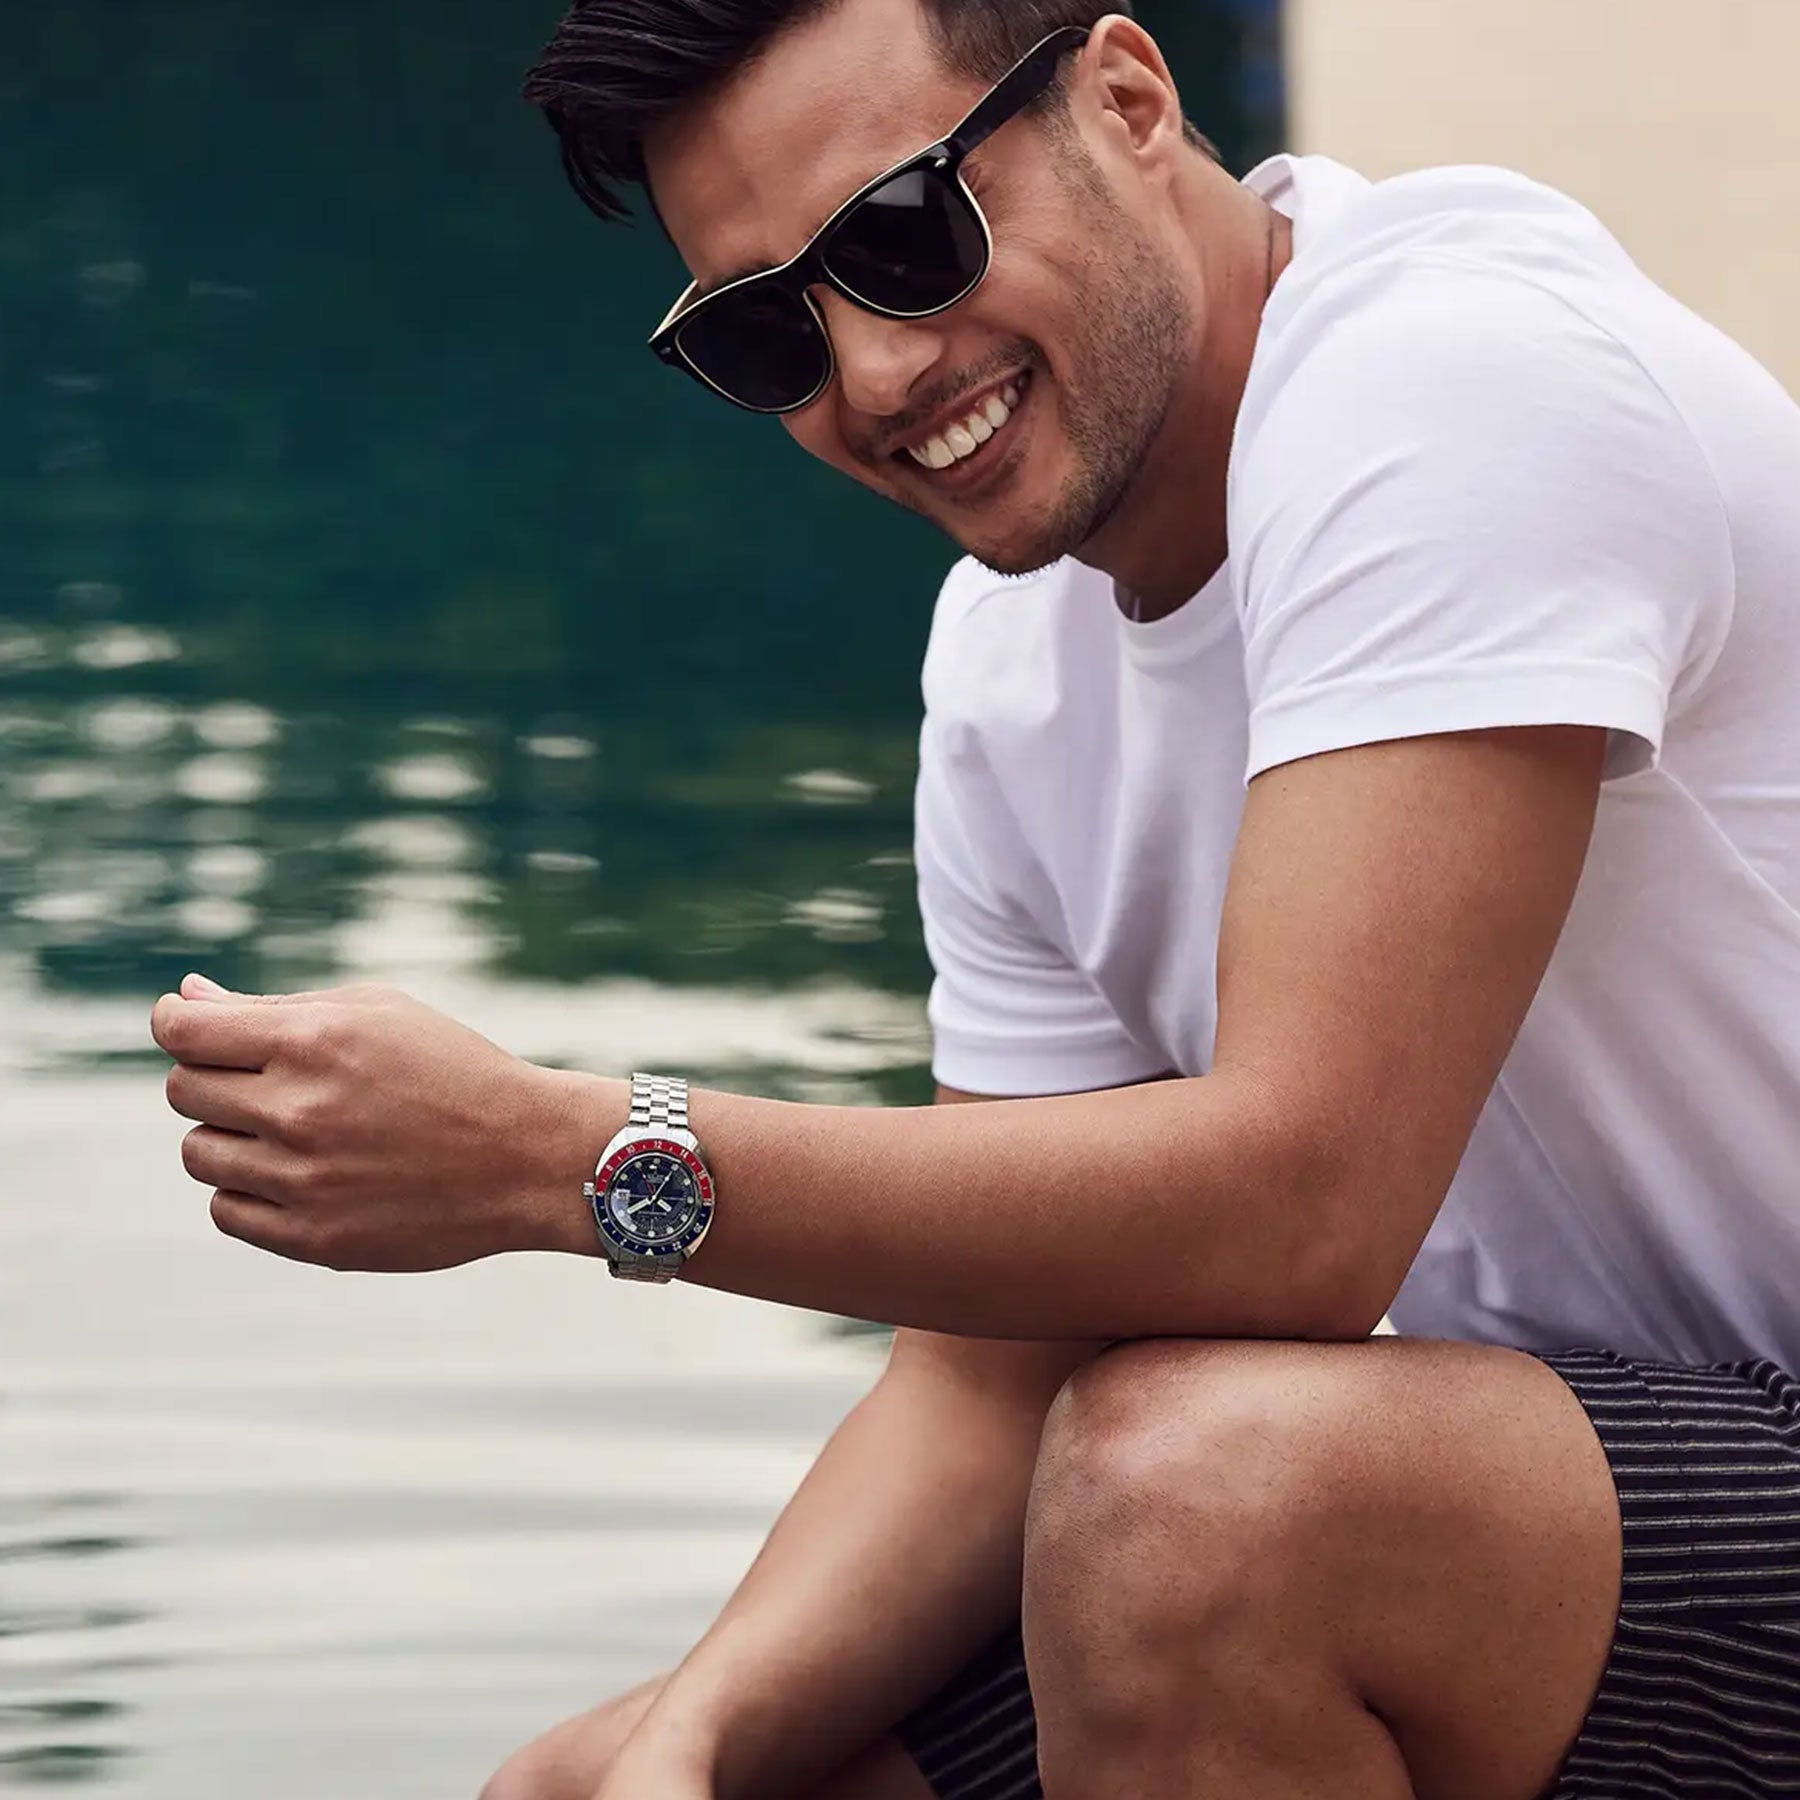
(1279, 1571)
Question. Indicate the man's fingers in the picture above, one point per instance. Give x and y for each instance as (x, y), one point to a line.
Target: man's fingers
(226, 1159)
(225, 1097)
(220, 1035)
(259, 1223)
(217, 1035)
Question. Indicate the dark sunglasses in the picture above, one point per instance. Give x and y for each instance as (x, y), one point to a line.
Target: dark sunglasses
(912, 243)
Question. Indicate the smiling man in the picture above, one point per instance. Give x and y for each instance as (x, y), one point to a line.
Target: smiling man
(1359, 848)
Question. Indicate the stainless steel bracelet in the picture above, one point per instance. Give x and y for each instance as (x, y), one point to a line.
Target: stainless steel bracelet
(660, 1101)
(630, 1267)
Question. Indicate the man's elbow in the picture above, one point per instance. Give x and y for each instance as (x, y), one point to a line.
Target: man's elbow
(1356, 1257)
(1346, 1308)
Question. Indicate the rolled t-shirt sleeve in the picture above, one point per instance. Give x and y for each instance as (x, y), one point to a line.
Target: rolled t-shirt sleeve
(1468, 506)
(1011, 1015)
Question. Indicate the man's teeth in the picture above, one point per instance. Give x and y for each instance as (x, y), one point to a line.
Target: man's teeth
(968, 435)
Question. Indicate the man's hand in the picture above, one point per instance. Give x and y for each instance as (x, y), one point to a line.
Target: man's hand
(361, 1129)
(640, 1776)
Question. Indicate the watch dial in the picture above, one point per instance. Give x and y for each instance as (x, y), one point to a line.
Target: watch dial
(654, 1197)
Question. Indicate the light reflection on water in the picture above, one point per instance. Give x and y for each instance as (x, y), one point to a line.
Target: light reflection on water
(139, 836)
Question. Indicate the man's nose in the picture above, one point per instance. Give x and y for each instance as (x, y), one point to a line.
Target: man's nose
(879, 361)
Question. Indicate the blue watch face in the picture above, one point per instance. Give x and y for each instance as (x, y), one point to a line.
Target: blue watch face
(653, 1197)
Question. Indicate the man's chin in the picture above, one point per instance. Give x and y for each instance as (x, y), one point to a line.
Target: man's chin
(1013, 563)
(1004, 548)
(1021, 553)
(1009, 545)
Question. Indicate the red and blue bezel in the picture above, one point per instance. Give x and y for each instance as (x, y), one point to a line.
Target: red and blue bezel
(610, 1228)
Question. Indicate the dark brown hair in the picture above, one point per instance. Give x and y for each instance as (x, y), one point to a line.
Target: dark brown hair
(615, 68)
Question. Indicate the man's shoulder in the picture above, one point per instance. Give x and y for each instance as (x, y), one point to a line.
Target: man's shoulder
(1474, 214)
(1467, 304)
(1485, 249)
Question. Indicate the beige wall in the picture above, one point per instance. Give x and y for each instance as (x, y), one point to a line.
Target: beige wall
(1677, 121)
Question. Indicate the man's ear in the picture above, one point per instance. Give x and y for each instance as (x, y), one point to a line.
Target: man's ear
(1123, 72)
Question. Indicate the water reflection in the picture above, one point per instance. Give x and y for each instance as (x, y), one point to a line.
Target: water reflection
(348, 1513)
(57, 1727)
(140, 836)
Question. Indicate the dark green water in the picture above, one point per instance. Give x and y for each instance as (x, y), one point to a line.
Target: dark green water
(371, 605)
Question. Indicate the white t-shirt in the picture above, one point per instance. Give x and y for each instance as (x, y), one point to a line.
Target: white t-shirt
(1486, 474)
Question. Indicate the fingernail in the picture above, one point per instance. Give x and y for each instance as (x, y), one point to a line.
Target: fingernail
(204, 983)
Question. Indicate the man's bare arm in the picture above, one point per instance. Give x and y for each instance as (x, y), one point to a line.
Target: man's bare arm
(1390, 914)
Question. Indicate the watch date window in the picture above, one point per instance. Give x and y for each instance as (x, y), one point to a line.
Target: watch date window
(654, 1197)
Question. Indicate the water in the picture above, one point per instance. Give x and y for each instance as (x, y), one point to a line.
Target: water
(264, 1529)
(262, 1526)
(372, 607)
(266, 1526)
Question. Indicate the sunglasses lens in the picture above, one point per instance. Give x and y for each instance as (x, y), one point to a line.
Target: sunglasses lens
(915, 245)
(761, 346)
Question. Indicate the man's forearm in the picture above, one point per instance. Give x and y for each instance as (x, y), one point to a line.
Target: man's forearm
(1177, 1209)
(897, 1559)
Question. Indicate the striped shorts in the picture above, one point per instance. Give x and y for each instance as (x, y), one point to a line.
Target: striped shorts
(1701, 1695)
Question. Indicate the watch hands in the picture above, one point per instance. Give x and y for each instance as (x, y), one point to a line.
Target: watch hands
(655, 1199)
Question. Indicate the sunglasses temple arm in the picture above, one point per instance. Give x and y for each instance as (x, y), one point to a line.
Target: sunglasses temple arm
(675, 311)
(1022, 84)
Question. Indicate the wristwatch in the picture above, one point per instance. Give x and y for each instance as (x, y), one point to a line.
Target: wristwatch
(652, 1195)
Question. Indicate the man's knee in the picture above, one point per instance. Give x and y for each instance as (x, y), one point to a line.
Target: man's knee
(1201, 1510)
(1239, 1537)
(1180, 1481)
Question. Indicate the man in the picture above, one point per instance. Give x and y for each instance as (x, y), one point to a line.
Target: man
(1420, 507)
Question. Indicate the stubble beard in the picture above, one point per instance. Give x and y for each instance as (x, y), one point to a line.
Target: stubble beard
(1137, 338)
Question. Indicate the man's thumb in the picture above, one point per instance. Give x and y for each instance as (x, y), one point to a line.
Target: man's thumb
(202, 987)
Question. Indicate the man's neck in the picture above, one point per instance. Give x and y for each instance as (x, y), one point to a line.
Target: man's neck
(1169, 539)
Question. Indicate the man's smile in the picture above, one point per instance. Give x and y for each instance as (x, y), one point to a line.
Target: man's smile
(957, 449)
